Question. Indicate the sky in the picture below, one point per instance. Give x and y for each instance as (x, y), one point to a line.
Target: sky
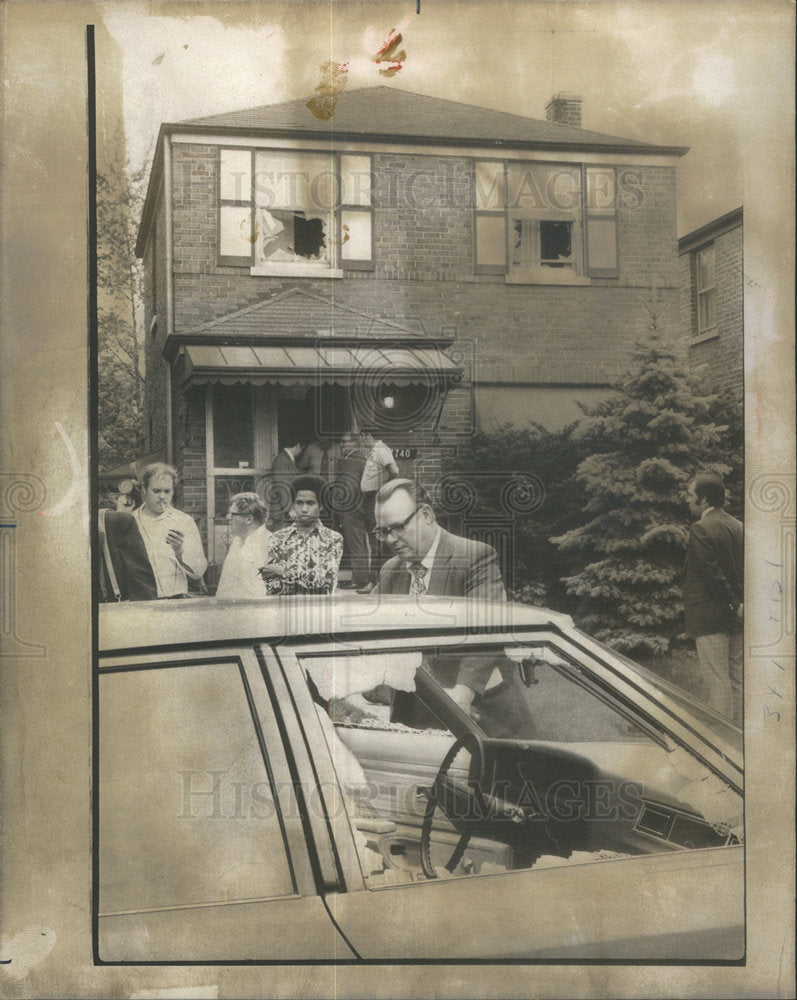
(676, 72)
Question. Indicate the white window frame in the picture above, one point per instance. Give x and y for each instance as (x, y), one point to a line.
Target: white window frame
(706, 294)
(595, 203)
(253, 204)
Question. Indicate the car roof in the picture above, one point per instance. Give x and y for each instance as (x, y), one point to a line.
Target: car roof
(165, 623)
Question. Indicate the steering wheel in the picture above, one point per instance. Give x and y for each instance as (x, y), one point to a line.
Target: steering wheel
(435, 798)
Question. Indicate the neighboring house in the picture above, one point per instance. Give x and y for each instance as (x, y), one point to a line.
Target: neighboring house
(712, 300)
(423, 265)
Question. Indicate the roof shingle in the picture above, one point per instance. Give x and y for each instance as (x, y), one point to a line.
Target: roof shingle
(389, 112)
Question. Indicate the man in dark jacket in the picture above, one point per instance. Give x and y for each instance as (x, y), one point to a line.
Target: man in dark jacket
(284, 469)
(430, 560)
(713, 594)
(349, 503)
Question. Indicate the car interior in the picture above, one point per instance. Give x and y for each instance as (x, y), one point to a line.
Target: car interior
(545, 768)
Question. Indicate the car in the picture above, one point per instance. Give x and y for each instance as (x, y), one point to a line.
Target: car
(293, 780)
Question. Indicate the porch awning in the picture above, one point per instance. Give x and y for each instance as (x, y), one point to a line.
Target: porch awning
(318, 365)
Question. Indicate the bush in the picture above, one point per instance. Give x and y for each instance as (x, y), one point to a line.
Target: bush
(499, 464)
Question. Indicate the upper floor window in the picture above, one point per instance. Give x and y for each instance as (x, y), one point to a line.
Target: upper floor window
(545, 222)
(294, 213)
(706, 290)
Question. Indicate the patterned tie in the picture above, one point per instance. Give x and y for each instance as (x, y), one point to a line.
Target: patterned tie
(417, 584)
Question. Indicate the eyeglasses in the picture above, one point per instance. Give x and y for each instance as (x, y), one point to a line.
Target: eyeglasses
(238, 513)
(395, 529)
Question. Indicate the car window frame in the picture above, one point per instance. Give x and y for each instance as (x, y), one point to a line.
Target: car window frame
(273, 749)
(336, 847)
(657, 709)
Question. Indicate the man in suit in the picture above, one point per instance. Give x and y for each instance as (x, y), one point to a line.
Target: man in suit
(284, 469)
(713, 593)
(429, 560)
(349, 504)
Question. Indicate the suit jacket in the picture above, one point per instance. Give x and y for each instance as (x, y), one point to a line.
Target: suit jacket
(461, 568)
(348, 497)
(278, 492)
(713, 582)
(464, 568)
(131, 565)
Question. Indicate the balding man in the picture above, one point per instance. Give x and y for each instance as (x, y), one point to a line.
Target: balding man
(430, 560)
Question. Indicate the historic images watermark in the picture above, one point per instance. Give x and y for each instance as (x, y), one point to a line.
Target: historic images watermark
(213, 795)
(324, 184)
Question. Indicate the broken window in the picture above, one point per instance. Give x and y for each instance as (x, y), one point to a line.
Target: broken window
(294, 198)
(556, 243)
(291, 212)
(561, 220)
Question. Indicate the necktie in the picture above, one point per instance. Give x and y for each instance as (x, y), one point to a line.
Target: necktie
(417, 584)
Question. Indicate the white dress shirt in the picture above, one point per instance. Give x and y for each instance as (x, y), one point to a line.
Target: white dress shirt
(239, 574)
(170, 576)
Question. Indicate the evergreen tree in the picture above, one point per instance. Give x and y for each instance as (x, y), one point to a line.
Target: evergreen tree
(645, 442)
(498, 462)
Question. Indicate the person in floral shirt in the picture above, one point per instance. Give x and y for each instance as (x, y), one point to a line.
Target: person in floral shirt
(304, 557)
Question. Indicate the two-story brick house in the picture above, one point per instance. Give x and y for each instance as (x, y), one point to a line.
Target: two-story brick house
(417, 264)
(712, 300)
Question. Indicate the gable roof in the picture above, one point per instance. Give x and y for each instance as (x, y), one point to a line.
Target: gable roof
(390, 114)
(298, 314)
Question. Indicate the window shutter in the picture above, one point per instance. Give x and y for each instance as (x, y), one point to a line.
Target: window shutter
(600, 222)
(235, 234)
(489, 217)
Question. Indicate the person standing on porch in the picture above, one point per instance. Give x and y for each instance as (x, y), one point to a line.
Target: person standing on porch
(349, 500)
(284, 469)
(380, 467)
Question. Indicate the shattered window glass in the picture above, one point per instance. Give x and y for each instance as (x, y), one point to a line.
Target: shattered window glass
(556, 240)
(294, 201)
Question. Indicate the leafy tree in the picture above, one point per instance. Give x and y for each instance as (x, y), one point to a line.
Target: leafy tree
(645, 442)
(120, 349)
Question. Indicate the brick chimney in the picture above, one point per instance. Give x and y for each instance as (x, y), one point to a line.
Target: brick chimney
(564, 108)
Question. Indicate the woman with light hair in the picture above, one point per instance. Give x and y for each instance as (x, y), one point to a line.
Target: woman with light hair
(240, 579)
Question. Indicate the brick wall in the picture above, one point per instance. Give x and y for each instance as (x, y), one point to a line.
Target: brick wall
(189, 449)
(721, 357)
(424, 269)
(423, 278)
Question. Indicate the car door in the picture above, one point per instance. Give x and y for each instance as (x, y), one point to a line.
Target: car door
(653, 870)
(205, 851)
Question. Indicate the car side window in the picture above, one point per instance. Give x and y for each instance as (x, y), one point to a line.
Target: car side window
(187, 812)
(549, 769)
